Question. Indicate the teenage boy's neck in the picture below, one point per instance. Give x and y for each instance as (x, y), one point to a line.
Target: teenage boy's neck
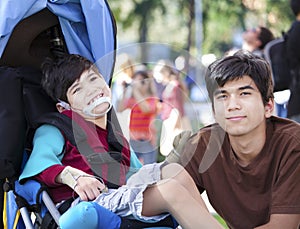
(247, 148)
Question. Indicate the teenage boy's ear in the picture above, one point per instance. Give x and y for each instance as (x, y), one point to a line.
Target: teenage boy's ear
(269, 108)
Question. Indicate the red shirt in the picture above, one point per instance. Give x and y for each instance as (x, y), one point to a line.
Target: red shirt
(140, 122)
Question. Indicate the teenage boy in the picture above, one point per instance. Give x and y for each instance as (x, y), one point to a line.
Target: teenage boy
(248, 162)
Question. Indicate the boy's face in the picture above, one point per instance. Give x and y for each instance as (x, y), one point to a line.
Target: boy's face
(85, 90)
(239, 109)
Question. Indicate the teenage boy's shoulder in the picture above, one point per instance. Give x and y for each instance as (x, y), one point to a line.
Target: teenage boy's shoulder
(283, 139)
(205, 139)
(284, 127)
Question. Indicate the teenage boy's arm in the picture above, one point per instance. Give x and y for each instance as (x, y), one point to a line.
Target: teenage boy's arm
(279, 221)
(285, 206)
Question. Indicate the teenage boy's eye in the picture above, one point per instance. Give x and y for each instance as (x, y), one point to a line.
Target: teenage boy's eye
(246, 93)
(221, 96)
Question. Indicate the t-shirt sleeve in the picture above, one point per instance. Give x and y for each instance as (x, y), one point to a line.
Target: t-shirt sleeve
(191, 159)
(286, 191)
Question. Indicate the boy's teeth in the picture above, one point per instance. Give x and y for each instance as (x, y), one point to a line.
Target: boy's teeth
(98, 96)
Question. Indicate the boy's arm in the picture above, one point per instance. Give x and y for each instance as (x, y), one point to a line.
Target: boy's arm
(48, 145)
(278, 221)
(285, 206)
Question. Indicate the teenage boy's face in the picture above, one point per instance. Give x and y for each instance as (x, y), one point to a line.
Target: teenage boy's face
(86, 89)
(239, 109)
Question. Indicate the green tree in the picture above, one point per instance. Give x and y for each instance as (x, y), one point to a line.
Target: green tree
(222, 20)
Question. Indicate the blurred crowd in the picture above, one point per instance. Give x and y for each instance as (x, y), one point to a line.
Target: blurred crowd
(152, 97)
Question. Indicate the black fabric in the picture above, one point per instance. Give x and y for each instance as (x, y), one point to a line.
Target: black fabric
(276, 54)
(12, 122)
(293, 49)
(48, 222)
(30, 41)
(135, 224)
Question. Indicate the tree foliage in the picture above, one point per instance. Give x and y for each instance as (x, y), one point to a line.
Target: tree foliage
(172, 21)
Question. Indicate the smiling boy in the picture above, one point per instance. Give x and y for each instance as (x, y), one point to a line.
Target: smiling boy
(248, 162)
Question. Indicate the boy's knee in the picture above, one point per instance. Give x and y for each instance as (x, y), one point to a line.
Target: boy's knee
(106, 218)
(89, 215)
(83, 215)
(171, 170)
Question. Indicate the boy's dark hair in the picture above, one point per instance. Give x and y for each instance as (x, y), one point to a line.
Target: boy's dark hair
(61, 73)
(242, 63)
(295, 6)
(264, 36)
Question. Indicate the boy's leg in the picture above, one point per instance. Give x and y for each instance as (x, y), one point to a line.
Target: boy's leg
(83, 215)
(178, 173)
(89, 215)
(169, 195)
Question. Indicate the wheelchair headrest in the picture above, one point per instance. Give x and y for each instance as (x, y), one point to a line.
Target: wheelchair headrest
(29, 42)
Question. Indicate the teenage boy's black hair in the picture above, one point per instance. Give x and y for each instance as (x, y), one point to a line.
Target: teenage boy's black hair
(242, 63)
(61, 73)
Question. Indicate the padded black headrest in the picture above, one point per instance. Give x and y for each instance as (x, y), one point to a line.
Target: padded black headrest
(29, 43)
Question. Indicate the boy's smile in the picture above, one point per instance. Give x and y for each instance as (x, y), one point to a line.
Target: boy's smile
(95, 98)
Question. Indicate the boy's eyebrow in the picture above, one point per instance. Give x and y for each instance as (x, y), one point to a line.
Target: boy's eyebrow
(94, 73)
(76, 83)
(73, 86)
(221, 91)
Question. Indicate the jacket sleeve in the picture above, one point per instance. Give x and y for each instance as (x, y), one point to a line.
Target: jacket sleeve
(48, 146)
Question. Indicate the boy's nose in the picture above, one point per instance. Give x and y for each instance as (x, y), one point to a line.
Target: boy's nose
(233, 103)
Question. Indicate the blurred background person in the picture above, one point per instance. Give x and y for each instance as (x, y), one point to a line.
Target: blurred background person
(293, 53)
(255, 40)
(175, 90)
(174, 95)
(140, 97)
(123, 77)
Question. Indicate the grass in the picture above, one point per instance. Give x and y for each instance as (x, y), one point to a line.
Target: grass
(221, 221)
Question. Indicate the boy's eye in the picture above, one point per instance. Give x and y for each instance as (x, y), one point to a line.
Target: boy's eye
(221, 96)
(76, 90)
(246, 93)
(93, 78)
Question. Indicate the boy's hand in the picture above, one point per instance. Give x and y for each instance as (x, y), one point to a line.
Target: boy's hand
(88, 187)
(178, 145)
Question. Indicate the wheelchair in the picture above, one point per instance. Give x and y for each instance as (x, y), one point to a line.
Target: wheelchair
(41, 29)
